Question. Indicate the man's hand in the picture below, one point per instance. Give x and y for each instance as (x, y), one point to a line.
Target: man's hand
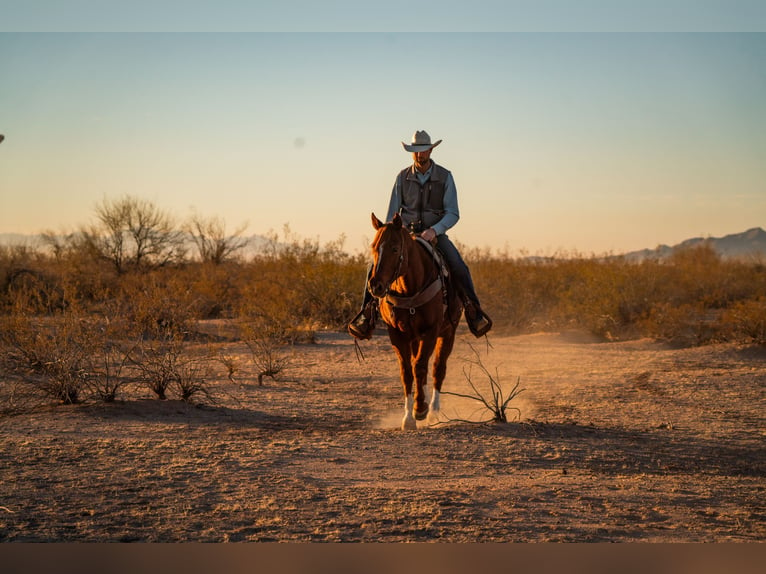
(429, 235)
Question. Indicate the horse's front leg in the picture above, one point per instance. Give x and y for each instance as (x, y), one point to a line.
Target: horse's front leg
(420, 359)
(404, 355)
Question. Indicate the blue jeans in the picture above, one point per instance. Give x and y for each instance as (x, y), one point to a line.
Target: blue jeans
(460, 272)
(461, 275)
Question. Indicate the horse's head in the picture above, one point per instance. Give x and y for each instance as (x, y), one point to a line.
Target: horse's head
(389, 254)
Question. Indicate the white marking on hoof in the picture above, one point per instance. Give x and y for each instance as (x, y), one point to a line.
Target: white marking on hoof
(433, 413)
(435, 401)
(408, 422)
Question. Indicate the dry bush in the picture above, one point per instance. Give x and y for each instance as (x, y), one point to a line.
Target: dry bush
(517, 293)
(54, 356)
(302, 286)
(159, 312)
(217, 288)
(159, 363)
(493, 398)
(193, 379)
(16, 397)
(745, 321)
(267, 345)
(689, 299)
(685, 324)
(167, 366)
(111, 374)
(158, 305)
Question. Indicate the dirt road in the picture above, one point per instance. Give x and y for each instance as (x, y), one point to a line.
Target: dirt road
(629, 441)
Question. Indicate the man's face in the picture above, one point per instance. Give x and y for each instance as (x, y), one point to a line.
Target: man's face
(421, 158)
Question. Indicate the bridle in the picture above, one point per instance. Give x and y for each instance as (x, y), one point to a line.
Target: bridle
(403, 256)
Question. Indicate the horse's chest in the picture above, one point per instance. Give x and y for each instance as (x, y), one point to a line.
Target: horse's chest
(405, 320)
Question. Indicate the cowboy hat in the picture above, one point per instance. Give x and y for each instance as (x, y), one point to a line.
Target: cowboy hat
(421, 141)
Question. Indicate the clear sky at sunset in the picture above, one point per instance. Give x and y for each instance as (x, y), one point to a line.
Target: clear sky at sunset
(612, 137)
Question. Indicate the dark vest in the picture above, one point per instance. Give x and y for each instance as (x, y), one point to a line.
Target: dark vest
(422, 205)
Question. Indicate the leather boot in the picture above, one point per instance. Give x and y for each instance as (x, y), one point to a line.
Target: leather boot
(363, 325)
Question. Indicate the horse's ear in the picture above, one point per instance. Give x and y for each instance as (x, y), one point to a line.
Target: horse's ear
(397, 220)
(376, 223)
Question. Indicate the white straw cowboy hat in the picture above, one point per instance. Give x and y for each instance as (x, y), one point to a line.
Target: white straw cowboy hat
(421, 141)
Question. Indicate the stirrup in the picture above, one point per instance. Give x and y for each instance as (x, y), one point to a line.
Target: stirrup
(481, 326)
(478, 321)
(363, 326)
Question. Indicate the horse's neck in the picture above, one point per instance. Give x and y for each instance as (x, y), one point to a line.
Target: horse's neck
(417, 272)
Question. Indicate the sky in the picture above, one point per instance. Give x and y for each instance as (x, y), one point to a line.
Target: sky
(584, 137)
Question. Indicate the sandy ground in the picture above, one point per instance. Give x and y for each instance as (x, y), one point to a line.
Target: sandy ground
(631, 441)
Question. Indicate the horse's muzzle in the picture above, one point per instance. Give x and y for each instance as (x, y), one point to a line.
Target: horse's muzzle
(377, 288)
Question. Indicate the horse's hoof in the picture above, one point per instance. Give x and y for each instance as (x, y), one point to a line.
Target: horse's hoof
(421, 415)
(409, 424)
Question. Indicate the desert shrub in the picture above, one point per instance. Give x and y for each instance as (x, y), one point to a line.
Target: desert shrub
(491, 397)
(685, 299)
(217, 288)
(161, 318)
(303, 286)
(55, 355)
(683, 324)
(158, 305)
(268, 349)
(88, 278)
(159, 364)
(604, 297)
(192, 379)
(111, 371)
(745, 321)
(517, 293)
(35, 290)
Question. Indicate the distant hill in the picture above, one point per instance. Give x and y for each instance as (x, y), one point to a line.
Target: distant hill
(748, 244)
(20, 239)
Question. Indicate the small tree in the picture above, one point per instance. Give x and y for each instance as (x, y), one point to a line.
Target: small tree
(214, 244)
(134, 233)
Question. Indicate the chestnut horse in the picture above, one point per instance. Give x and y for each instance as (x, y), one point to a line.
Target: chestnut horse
(421, 310)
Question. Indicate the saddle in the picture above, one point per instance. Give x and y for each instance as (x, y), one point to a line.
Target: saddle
(438, 258)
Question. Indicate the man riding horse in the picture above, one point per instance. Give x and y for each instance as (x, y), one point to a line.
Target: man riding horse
(425, 197)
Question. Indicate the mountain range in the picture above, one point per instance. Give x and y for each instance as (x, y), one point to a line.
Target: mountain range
(750, 244)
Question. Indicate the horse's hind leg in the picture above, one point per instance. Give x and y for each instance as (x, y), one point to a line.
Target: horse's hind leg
(442, 352)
